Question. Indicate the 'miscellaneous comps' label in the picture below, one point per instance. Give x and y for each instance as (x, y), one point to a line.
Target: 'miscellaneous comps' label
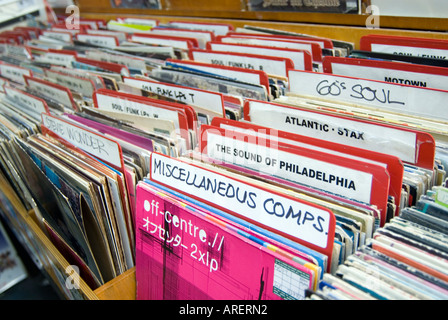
(312, 224)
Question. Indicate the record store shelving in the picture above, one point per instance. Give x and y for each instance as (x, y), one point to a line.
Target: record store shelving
(346, 27)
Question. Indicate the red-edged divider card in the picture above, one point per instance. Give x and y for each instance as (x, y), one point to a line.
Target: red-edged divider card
(144, 21)
(163, 40)
(305, 223)
(257, 77)
(64, 36)
(393, 164)
(108, 41)
(36, 104)
(350, 178)
(322, 42)
(411, 146)
(81, 85)
(55, 56)
(53, 91)
(406, 46)
(101, 147)
(207, 101)
(271, 65)
(314, 48)
(202, 36)
(217, 28)
(301, 58)
(388, 71)
(110, 66)
(110, 100)
(14, 73)
(400, 98)
(96, 145)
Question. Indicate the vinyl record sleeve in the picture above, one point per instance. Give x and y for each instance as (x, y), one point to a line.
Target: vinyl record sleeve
(200, 261)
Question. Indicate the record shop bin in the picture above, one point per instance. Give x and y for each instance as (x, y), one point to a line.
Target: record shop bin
(50, 261)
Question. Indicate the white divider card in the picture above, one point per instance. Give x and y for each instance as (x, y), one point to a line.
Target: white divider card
(33, 103)
(207, 100)
(322, 42)
(122, 104)
(303, 222)
(217, 28)
(64, 36)
(98, 40)
(393, 164)
(313, 48)
(143, 22)
(271, 65)
(201, 36)
(55, 58)
(257, 77)
(13, 72)
(411, 146)
(180, 43)
(121, 36)
(98, 146)
(77, 84)
(301, 58)
(53, 91)
(388, 71)
(128, 61)
(406, 46)
(65, 30)
(394, 97)
(343, 176)
(15, 50)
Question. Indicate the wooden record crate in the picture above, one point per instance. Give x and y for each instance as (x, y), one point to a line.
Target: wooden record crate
(50, 261)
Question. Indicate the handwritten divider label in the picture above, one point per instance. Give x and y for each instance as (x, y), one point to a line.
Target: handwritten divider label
(307, 46)
(181, 44)
(424, 80)
(399, 143)
(384, 95)
(58, 35)
(74, 83)
(36, 104)
(217, 29)
(98, 40)
(300, 220)
(51, 91)
(339, 180)
(297, 56)
(116, 104)
(432, 53)
(274, 67)
(105, 149)
(205, 99)
(14, 73)
(246, 76)
(56, 58)
(130, 62)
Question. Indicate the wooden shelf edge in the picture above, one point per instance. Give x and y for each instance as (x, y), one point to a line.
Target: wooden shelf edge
(122, 287)
(337, 19)
(340, 32)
